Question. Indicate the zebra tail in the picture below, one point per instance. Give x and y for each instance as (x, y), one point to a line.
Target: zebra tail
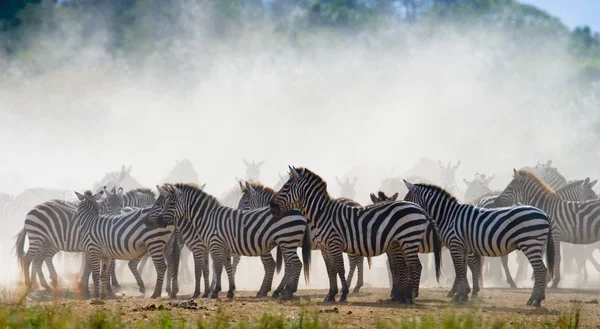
(437, 251)
(20, 245)
(279, 259)
(306, 254)
(550, 253)
(369, 261)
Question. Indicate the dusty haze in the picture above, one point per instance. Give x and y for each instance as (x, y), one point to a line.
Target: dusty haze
(377, 99)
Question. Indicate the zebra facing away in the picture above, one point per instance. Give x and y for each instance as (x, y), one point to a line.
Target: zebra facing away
(488, 232)
(229, 231)
(256, 195)
(395, 228)
(124, 236)
(572, 221)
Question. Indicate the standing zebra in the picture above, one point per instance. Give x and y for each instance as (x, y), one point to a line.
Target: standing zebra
(572, 222)
(395, 228)
(52, 227)
(548, 174)
(123, 236)
(487, 232)
(257, 196)
(228, 231)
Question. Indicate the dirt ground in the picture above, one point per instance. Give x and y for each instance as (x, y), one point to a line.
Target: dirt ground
(362, 311)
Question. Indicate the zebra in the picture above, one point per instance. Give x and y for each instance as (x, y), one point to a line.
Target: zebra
(347, 189)
(572, 221)
(226, 231)
(256, 195)
(578, 190)
(395, 228)
(427, 246)
(487, 232)
(253, 170)
(548, 174)
(477, 187)
(182, 172)
(121, 178)
(51, 227)
(123, 236)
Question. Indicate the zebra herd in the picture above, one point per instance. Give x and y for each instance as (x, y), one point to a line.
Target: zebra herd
(118, 219)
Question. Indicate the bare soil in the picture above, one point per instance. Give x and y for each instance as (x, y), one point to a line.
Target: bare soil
(362, 311)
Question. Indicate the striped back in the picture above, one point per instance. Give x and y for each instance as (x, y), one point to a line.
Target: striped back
(578, 190)
(139, 198)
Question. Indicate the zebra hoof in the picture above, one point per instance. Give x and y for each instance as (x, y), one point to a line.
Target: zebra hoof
(154, 296)
(230, 294)
(142, 290)
(275, 294)
(205, 295)
(262, 294)
(329, 299)
(214, 295)
(356, 290)
(450, 294)
(408, 301)
(343, 299)
(459, 299)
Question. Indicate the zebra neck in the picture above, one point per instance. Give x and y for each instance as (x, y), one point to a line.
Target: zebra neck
(314, 206)
(442, 212)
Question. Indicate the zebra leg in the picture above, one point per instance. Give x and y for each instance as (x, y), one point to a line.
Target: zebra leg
(352, 264)
(36, 270)
(293, 267)
(105, 276)
(236, 262)
(133, 267)
(397, 268)
(218, 258)
(333, 288)
(414, 269)
(113, 275)
(474, 262)
(269, 266)
(160, 266)
(85, 277)
(557, 259)
(95, 261)
(534, 255)
(30, 255)
(459, 258)
(360, 262)
(200, 261)
(337, 256)
(509, 279)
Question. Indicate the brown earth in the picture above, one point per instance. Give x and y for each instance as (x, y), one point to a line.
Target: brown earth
(362, 311)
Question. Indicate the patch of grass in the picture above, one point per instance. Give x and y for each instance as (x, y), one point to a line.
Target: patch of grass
(43, 317)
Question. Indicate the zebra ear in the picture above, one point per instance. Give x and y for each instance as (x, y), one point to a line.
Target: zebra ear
(409, 186)
(120, 191)
(515, 173)
(98, 196)
(106, 191)
(586, 181)
(394, 197)
(340, 183)
(202, 186)
(260, 163)
(242, 186)
(374, 198)
(294, 173)
(114, 190)
(246, 163)
(79, 196)
(354, 181)
(592, 183)
(128, 171)
(162, 191)
(250, 188)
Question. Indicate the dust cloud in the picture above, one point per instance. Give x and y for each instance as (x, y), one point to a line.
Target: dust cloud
(368, 103)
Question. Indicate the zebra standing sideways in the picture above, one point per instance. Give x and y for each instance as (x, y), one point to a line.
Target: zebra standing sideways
(256, 195)
(487, 232)
(229, 231)
(395, 228)
(572, 222)
(124, 236)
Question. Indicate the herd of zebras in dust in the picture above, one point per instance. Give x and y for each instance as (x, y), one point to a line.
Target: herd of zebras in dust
(410, 217)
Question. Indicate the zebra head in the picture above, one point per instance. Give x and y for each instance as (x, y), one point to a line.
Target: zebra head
(514, 193)
(166, 210)
(89, 204)
(347, 187)
(253, 170)
(419, 194)
(477, 187)
(448, 175)
(382, 197)
(114, 201)
(292, 193)
(255, 196)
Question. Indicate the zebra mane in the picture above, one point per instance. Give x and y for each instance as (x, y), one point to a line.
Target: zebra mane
(439, 189)
(532, 177)
(259, 187)
(141, 190)
(194, 189)
(320, 185)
